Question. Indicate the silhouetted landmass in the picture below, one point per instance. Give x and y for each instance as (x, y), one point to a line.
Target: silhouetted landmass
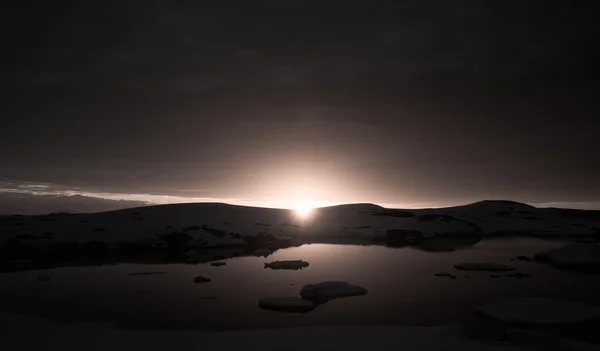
(60, 238)
(26, 204)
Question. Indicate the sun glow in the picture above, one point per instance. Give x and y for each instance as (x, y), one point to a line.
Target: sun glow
(304, 212)
(303, 209)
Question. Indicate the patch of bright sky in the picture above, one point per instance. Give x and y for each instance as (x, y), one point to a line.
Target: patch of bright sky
(272, 202)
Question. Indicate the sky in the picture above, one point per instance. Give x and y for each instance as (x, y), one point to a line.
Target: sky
(273, 102)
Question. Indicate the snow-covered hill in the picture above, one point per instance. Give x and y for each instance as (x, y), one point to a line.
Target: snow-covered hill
(181, 227)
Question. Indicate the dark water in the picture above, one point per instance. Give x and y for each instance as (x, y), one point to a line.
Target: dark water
(402, 288)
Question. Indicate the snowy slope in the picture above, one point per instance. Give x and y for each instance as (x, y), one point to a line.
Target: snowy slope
(499, 217)
(47, 335)
(216, 224)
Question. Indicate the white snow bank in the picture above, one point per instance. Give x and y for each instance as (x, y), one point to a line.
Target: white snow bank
(509, 217)
(286, 304)
(480, 266)
(206, 225)
(289, 265)
(325, 291)
(573, 256)
(27, 333)
(539, 311)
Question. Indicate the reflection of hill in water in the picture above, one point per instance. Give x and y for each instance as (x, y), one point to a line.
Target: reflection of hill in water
(402, 284)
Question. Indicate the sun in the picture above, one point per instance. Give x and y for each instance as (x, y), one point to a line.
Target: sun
(304, 212)
(304, 209)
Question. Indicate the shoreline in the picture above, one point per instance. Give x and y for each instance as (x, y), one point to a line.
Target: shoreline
(200, 255)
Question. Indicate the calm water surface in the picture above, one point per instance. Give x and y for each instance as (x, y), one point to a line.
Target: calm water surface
(402, 288)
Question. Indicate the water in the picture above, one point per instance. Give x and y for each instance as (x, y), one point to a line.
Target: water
(402, 288)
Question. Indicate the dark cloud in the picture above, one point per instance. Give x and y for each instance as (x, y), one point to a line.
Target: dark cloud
(28, 204)
(457, 99)
(194, 47)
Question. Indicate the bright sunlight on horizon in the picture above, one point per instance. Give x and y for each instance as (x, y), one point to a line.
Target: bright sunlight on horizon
(304, 209)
